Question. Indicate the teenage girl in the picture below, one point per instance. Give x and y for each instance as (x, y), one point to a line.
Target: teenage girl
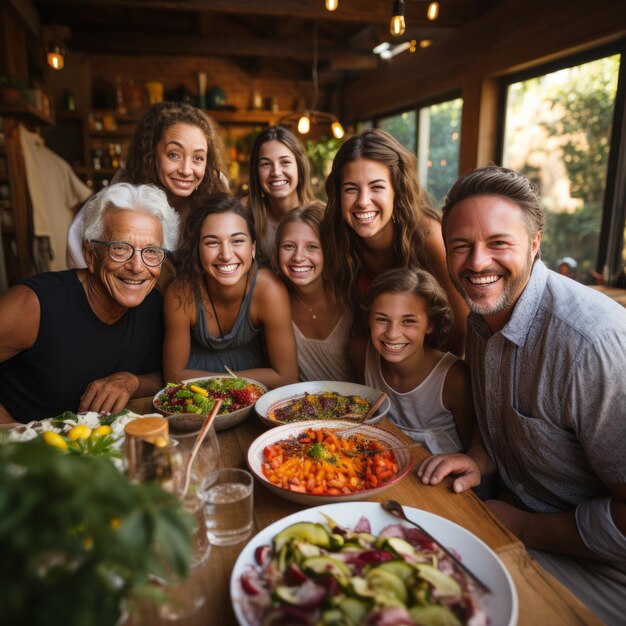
(430, 390)
(378, 218)
(280, 181)
(321, 323)
(222, 311)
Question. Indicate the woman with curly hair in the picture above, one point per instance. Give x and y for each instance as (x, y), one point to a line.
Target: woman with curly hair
(430, 390)
(280, 181)
(221, 310)
(378, 217)
(175, 147)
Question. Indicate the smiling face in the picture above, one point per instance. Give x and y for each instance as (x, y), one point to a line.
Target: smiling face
(124, 285)
(181, 160)
(226, 248)
(490, 255)
(278, 173)
(398, 325)
(300, 256)
(367, 197)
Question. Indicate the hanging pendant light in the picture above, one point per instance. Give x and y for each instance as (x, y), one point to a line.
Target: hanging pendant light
(397, 25)
(331, 5)
(432, 13)
(304, 120)
(55, 55)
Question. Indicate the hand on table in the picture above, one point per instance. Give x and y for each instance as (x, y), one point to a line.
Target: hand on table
(435, 468)
(109, 394)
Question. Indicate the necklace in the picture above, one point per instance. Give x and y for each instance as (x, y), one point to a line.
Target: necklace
(217, 319)
(313, 316)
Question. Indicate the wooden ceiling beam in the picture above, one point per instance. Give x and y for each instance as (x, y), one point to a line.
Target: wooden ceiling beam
(139, 43)
(366, 11)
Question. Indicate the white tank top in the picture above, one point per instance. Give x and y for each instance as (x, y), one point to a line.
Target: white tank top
(326, 359)
(420, 413)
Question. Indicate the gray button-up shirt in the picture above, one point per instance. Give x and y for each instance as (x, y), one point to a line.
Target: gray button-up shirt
(550, 396)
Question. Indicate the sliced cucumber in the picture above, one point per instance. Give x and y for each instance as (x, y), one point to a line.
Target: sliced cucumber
(384, 583)
(401, 569)
(303, 531)
(397, 546)
(443, 584)
(354, 610)
(326, 565)
(432, 615)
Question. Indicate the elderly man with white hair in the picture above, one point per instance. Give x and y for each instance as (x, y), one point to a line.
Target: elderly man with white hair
(91, 339)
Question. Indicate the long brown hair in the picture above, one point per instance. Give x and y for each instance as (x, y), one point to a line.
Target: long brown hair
(188, 262)
(258, 203)
(343, 248)
(141, 162)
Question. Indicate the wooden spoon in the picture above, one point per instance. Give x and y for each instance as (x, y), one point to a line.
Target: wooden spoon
(208, 422)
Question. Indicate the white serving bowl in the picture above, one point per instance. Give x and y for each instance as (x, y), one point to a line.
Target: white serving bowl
(280, 395)
(255, 459)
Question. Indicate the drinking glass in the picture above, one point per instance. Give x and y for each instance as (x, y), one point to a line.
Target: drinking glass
(208, 457)
(227, 497)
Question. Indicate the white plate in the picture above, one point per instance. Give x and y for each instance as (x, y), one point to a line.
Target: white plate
(404, 458)
(291, 392)
(222, 422)
(501, 604)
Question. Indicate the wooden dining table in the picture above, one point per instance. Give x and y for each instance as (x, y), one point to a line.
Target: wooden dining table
(542, 599)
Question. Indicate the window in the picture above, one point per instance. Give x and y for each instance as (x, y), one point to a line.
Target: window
(402, 127)
(438, 147)
(557, 131)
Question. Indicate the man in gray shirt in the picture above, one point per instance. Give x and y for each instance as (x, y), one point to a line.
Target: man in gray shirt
(548, 363)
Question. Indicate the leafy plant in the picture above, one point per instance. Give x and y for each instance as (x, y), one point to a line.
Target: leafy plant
(321, 153)
(78, 539)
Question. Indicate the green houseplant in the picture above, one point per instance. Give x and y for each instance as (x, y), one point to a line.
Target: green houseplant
(78, 540)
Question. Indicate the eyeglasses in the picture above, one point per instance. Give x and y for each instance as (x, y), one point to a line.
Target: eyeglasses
(121, 252)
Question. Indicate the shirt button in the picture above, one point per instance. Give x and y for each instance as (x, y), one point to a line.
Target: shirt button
(519, 486)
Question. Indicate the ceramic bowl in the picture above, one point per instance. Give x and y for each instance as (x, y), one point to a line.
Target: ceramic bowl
(281, 395)
(255, 459)
(192, 422)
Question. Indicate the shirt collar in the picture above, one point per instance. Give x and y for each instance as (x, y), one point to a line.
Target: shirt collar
(516, 329)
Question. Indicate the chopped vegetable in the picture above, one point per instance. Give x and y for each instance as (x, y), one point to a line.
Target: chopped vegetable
(200, 396)
(309, 579)
(319, 462)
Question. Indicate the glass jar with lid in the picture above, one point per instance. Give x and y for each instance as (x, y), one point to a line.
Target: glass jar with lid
(148, 451)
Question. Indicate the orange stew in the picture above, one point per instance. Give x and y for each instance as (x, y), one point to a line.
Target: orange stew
(316, 463)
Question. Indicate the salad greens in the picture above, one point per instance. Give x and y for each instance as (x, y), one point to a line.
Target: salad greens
(199, 396)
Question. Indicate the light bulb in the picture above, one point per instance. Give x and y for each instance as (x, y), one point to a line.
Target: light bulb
(331, 5)
(337, 129)
(55, 57)
(304, 124)
(397, 25)
(433, 11)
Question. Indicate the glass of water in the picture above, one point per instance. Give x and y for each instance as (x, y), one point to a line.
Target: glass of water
(227, 497)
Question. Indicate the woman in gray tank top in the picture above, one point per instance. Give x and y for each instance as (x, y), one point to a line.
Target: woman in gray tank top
(222, 311)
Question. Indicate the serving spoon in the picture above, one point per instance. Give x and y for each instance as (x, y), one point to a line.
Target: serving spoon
(208, 422)
(396, 509)
(381, 398)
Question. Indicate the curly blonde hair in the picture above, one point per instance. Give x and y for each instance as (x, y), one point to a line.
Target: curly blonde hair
(141, 162)
(342, 246)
